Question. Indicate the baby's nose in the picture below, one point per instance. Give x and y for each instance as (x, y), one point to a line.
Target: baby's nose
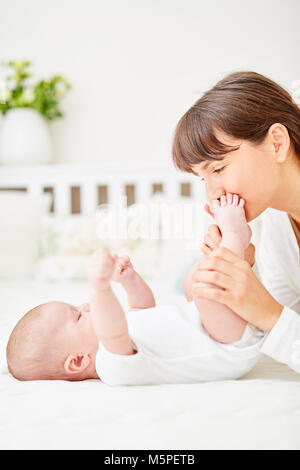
(84, 307)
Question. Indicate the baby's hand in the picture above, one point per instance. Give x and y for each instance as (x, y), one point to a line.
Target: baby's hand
(124, 270)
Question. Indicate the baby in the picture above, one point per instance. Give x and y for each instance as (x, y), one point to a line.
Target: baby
(195, 341)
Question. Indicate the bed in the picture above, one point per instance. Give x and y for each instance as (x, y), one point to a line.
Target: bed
(259, 411)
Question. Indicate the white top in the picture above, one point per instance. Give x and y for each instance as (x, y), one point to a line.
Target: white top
(173, 347)
(279, 262)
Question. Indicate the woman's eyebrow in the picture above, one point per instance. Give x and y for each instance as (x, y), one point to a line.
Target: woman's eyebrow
(213, 162)
(207, 164)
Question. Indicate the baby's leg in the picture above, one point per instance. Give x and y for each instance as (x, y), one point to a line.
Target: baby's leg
(219, 320)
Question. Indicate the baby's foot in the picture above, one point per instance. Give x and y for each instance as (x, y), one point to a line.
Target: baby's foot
(230, 217)
(100, 269)
(124, 270)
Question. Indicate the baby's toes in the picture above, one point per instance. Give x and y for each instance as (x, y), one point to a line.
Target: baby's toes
(229, 199)
(215, 205)
(223, 201)
(235, 200)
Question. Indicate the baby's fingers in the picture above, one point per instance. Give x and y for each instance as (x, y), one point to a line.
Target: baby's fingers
(123, 262)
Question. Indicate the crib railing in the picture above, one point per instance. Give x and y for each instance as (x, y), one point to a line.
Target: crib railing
(80, 188)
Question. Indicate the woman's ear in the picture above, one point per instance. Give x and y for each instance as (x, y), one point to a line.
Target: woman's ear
(281, 141)
(77, 363)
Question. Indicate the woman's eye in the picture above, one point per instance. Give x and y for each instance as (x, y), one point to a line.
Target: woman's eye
(218, 171)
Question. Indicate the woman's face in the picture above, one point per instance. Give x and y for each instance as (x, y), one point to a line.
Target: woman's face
(251, 172)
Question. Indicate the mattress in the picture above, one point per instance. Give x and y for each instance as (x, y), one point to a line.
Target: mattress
(259, 411)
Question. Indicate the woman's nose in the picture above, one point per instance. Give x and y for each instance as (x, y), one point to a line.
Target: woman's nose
(213, 192)
(215, 197)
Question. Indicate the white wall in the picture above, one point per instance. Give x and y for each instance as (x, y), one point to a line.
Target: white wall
(137, 65)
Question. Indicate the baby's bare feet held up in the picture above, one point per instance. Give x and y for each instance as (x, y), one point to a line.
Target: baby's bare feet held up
(229, 214)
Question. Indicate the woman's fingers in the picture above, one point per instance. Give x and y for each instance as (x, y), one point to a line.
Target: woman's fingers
(214, 235)
(248, 297)
(212, 277)
(222, 260)
(211, 264)
(208, 245)
(209, 241)
(220, 276)
(228, 255)
(250, 254)
(205, 249)
(212, 239)
(215, 294)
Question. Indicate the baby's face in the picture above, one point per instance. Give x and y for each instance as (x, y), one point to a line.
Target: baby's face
(72, 327)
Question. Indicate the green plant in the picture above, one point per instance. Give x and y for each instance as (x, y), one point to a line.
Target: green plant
(18, 91)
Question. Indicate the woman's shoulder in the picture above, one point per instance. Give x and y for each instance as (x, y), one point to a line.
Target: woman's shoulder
(273, 224)
(274, 216)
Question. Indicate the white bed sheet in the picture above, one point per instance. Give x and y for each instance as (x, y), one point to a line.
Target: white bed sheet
(259, 411)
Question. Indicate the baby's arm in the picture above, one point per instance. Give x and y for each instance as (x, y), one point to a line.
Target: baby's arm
(139, 294)
(107, 315)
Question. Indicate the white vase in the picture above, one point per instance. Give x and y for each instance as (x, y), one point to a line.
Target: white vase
(24, 138)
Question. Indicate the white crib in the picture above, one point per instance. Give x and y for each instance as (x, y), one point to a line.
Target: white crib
(81, 188)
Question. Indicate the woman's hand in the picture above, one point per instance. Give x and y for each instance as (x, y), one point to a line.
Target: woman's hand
(240, 289)
(213, 239)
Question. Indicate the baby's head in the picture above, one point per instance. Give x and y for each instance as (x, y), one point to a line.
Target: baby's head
(53, 341)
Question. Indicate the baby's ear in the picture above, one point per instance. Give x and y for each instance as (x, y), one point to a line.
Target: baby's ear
(77, 363)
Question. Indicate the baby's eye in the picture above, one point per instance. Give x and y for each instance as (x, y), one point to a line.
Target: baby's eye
(79, 316)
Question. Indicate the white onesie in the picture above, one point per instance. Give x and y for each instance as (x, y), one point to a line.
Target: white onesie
(173, 347)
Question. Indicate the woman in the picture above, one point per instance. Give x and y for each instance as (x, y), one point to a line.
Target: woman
(243, 137)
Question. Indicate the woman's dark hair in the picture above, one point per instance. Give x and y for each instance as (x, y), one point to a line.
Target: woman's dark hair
(243, 105)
